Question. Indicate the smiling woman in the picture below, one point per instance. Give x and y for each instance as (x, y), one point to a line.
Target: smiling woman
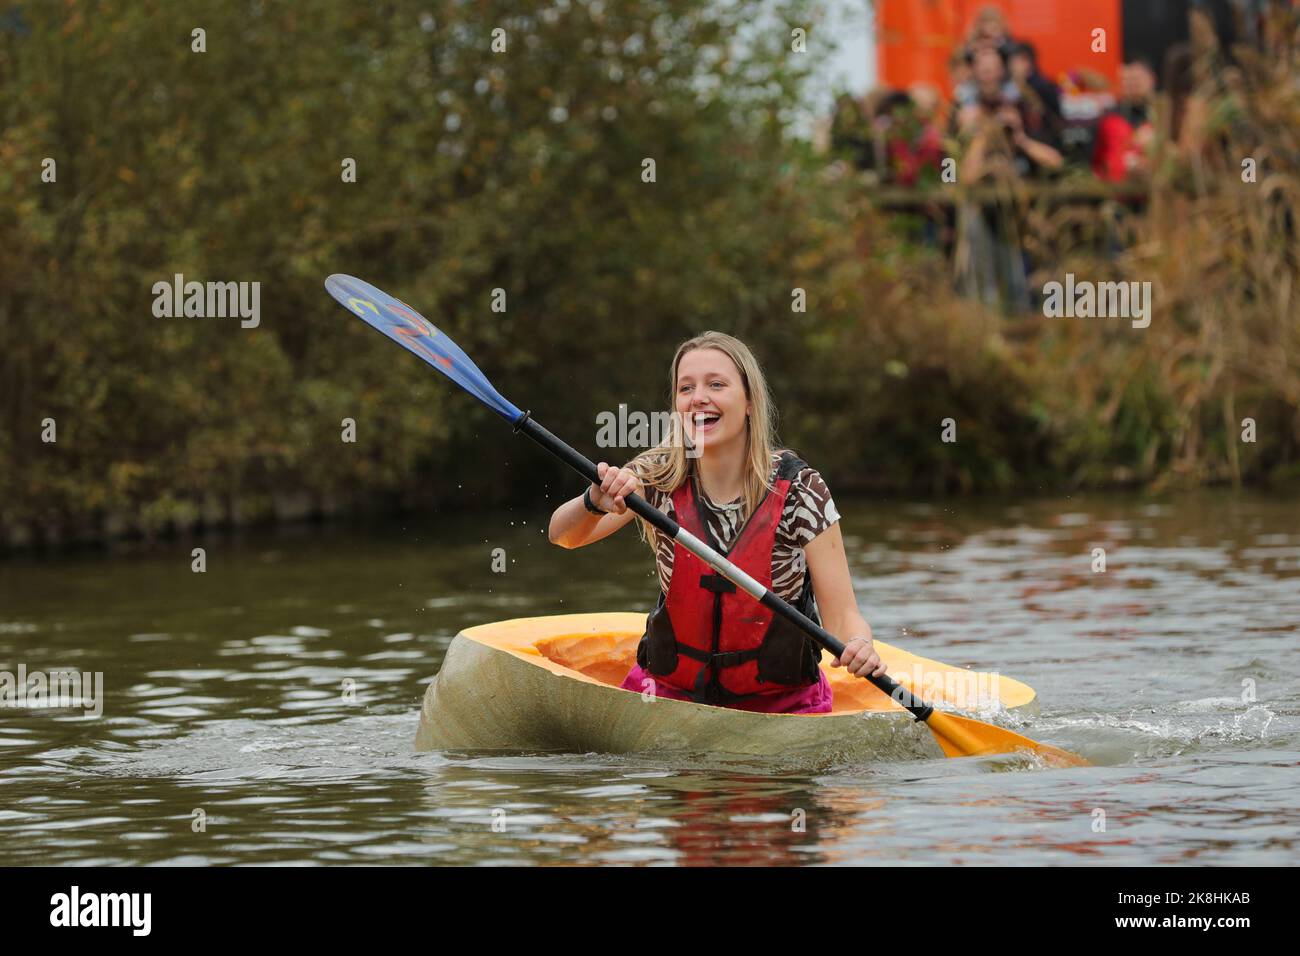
(724, 479)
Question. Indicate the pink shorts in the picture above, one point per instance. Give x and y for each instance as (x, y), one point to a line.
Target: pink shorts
(813, 699)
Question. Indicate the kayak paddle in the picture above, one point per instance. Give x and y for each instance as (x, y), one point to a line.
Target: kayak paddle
(957, 736)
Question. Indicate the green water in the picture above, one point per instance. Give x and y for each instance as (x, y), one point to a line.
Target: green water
(264, 710)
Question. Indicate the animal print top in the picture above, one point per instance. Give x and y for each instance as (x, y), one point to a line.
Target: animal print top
(809, 510)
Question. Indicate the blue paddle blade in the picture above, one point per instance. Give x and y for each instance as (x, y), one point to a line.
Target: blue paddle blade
(414, 332)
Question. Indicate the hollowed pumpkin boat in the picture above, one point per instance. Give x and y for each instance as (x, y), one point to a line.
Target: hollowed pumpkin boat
(552, 683)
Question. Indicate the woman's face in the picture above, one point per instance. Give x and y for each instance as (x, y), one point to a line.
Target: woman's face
(711, 398)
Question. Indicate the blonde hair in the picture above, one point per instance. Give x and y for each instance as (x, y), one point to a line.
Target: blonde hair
(666, 466)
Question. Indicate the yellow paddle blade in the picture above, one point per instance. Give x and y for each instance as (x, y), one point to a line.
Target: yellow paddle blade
(963, 737)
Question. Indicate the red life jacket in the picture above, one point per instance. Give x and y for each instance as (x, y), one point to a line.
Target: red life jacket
(710, 639)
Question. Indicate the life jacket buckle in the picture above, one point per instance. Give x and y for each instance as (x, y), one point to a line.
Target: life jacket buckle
(732, 658)
(717, 584)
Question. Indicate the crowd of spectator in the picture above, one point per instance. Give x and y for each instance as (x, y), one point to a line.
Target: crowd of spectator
(1006, 120)
(1005, 117)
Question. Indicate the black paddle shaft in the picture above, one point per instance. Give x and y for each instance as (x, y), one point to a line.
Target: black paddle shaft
(668, 526)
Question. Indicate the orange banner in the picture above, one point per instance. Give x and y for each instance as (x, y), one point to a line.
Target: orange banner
(914, 38)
